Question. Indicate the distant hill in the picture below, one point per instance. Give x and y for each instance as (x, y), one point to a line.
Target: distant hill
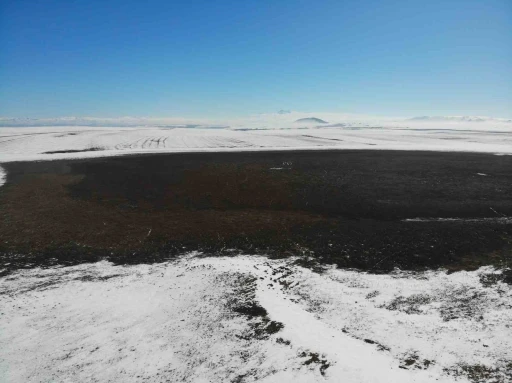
(311, 120)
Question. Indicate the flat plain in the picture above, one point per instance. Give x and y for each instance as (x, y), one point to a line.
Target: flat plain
(268, 266)
(370, 210)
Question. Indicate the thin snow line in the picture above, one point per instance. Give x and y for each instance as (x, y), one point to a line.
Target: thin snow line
(503, 219)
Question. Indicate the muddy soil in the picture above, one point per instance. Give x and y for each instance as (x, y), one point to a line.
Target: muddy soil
(343, 207)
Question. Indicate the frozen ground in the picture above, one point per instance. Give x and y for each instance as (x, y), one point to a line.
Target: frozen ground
(248, 318)
(2, 176)
(243, 319)
(264, 132)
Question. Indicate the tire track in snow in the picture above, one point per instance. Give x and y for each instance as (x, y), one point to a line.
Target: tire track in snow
(349, 358)
(145, 143)
(129, 144)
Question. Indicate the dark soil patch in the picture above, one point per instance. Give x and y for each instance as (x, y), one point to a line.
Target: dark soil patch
(409, 305)
(73, 150)
(315, 358)
(480, 373)
(341, 207)
(251, 309)
(243, 301)
(413, 361)
(283, 341)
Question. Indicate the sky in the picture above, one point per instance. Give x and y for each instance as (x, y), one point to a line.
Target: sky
(221, 58)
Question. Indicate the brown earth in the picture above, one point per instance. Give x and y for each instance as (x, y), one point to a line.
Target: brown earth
(343, 207)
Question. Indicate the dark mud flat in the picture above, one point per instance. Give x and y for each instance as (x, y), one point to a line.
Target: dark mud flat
(342, 207)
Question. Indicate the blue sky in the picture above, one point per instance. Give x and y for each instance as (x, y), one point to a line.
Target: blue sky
(226, 58)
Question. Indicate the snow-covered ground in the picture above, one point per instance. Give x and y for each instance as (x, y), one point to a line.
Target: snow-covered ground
(263, 132)
(3, 175)
(248, 318)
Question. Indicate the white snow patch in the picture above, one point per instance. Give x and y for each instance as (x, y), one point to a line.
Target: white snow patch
(172, 321)
(3, 175)
(487, 219)
(255, 133)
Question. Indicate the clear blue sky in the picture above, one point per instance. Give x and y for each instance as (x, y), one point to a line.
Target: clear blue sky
(223, 58)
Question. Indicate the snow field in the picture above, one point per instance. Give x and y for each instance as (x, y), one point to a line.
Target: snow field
(25, 144)
(175, 321)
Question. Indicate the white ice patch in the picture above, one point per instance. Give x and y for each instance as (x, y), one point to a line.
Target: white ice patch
(172, 321)
(3, 175)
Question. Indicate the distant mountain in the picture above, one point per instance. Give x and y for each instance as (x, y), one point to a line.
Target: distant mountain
(283, 111)
(460, 118)
(313, 120)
